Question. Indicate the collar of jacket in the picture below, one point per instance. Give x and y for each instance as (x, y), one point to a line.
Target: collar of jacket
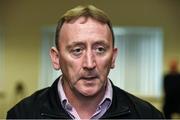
(120, 104)
(52, 108)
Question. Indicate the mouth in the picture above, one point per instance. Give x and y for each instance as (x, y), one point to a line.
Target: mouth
(89, 77)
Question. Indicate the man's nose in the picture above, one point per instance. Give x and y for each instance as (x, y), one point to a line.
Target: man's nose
(89, 61)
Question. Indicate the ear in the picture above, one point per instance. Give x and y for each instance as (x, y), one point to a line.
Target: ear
(54, 54)
(114, 58)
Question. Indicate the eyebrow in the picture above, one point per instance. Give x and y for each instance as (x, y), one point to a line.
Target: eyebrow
(79, 43)
(75, 43)
(102, 42)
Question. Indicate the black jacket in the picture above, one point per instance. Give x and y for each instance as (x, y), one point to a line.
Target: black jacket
(46, 104)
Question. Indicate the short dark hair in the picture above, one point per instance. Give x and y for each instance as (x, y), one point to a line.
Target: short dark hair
(86, 11)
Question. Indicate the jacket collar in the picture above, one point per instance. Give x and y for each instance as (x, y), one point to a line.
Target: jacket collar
(120, 104)
(51, 107)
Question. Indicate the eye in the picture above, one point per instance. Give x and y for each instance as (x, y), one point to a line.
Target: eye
(100, 50)
(77, 51)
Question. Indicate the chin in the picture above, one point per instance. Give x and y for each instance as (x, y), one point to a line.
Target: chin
(90, 92)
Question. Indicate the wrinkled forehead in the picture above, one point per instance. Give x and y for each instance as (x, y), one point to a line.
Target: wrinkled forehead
(85, 23)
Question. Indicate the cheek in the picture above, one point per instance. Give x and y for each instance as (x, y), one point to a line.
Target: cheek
(104, 65)
(68, 66)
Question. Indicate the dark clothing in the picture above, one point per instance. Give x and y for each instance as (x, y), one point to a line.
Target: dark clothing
(46, 104)
(172, 94)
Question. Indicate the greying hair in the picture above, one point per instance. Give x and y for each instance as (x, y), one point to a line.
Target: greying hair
(86, 11)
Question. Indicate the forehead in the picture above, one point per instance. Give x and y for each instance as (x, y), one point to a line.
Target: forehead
(83, 21)
(85, 26)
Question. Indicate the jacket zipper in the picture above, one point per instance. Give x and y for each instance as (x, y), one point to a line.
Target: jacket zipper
(53, 116)
(117, 114)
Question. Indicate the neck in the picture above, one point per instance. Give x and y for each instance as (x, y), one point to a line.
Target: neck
(84, 105)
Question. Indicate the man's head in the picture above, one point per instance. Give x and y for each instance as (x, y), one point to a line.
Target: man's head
(85, 51)
(173, 65)
(86, 11)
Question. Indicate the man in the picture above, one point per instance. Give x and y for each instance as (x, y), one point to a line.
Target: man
(171, 85)
(85, 54)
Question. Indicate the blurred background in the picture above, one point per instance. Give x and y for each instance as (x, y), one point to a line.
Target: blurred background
(147, 35)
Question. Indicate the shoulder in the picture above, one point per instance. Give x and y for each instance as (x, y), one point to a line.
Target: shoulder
(28, 105)
(32, 106)
(143, 106)
(140, 107)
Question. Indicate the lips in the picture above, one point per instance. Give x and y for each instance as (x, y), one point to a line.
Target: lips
(89, 77)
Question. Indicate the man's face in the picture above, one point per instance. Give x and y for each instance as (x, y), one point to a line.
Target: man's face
(85, 55)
